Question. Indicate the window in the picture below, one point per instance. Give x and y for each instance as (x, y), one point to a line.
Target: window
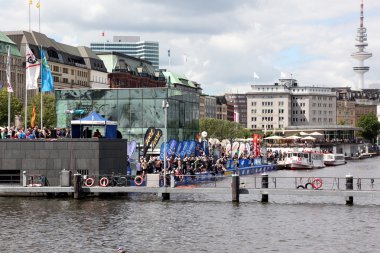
(65, 70)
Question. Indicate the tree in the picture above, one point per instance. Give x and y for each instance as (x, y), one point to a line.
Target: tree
(222, 129)
(370, 125)
(49, 114)
(16, 107)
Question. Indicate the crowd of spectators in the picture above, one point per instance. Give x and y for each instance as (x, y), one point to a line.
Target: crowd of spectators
(33, 133)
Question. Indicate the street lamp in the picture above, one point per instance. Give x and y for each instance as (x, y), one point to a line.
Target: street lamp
(165, 106)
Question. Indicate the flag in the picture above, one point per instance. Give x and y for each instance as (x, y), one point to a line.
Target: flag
(103, 34)
(32, 69)
(236, 117)
(47, 83)
(33, 116)
(38, 5)
(169, 53)
(255, 76)
(8, 70)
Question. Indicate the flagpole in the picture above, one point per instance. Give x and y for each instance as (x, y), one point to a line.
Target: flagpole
(39, 17)
(9, 94)
(41, 88)
(26, 104)
(30, 3)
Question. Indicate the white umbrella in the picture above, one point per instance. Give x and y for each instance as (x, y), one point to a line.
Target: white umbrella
(303, 133)
(274, 137)
(308, 138)
(293, 137)
(316, 134)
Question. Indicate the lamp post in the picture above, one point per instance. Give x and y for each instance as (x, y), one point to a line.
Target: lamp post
(165, 106)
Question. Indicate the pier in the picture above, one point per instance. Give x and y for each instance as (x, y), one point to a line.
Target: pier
(262, 186)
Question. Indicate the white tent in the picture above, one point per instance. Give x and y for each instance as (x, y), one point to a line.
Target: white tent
(303, 133)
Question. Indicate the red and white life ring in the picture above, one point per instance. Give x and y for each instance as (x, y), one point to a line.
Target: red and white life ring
(103, 182)
(317, 183)
(89, 182)
(138, 180)
(299, 158)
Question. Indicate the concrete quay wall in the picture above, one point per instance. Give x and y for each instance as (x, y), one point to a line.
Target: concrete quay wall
(49, 157)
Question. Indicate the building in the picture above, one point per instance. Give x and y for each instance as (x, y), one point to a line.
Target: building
(130, 72)
(135, 110)
(17, 66)
(207, 106)
(224, 109)
(286, 105)
(132, 46)
(240, 107)
(72, 67)
(351, 105)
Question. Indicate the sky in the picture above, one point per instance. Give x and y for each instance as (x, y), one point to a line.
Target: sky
(221, 43)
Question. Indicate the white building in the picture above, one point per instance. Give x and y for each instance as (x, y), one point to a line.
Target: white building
(285, 105)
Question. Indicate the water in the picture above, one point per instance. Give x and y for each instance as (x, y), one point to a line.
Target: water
(209, 224)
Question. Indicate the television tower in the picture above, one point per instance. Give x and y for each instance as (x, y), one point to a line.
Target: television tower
(361, 55)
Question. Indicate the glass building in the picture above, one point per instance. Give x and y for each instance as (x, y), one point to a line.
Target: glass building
(135, 110)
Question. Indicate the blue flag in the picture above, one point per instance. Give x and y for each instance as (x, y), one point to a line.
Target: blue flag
(47, 83)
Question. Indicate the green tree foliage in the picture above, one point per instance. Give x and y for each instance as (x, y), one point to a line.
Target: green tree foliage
(49, 114)
(16, 107)
(223, 129)
(370, 125)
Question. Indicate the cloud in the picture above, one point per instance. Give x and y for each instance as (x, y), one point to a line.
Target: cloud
(224, 41)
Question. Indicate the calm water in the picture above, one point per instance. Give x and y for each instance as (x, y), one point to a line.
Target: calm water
(209, 224)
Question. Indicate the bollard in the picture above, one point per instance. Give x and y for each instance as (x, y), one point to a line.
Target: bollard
(264, 185)
(165, 196)
(349, 187)
(24, 179)
(235, 187)
(172, 181)
(77, 186)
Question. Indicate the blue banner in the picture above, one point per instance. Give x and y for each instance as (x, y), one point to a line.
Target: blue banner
(198, 147)
(179, 149)
(185, 146)
(162, 150)
(172, 146)
(131, 148)
(205, 148)
(191, 148)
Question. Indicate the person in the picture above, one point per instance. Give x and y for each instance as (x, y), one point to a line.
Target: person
(86, 133)
(97, 134)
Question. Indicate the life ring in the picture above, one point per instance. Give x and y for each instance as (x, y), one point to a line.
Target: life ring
(103, 182)
(317, 183)
(299, 158)
(307, 184)
(89, 182)
(138, 180)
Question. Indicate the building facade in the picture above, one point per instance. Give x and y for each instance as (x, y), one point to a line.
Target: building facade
(132, 46)
(240, 107)
(207, 107)
(224, 109)
(17, 66)
(285, 104)
(135, 110)
(130, 72)
(72, 67)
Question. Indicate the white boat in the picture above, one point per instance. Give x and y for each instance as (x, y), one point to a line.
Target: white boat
(334, 159)
(304, 160)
